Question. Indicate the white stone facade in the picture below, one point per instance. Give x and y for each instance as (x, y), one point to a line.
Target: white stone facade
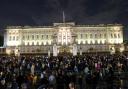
(41, 39)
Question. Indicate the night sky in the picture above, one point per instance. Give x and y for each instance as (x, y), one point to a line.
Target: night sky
(45, 12)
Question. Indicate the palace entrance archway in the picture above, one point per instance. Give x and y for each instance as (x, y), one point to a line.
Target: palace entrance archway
(64, 50)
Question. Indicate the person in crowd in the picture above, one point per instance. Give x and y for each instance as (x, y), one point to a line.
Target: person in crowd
(52, 80)
(58, 72)
(72, 85)
(3, 83)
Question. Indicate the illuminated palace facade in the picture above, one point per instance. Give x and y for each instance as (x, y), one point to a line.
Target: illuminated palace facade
(63, 37)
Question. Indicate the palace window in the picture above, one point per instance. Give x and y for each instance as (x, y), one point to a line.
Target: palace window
(37, 37)
(46, 43)
(17, 38)
(32, 43)
(81, 36)
(37, 43)
(13, 37)
(91, 42)
(32, 37)
(105, 41)
(68, 37)
(42, 36)
(10, 38)
(118, 35)
(28, 43)
(46, 36)
(115, 36)
(42, 43)
(86, 42)
(100, 35)
(28, 37)
(96, 42)
(64, 37)
(111, 35)
(90, 35)
(50, 36)
(77, 36)
(105, 36)
(95, 35)
(81, 42)
(100, 42)
(86, 36)
(23, 38)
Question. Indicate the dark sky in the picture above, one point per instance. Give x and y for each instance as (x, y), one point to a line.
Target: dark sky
(45, 12)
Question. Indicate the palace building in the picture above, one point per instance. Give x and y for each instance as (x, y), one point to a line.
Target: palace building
(63, 38)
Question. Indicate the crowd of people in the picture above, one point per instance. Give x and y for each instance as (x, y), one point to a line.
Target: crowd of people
(62, 72)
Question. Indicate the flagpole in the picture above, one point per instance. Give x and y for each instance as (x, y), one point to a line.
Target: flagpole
(63, 17)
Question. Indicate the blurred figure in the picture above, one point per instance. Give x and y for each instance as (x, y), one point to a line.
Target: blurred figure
(32, 69)
(24, 86)
(71, 85)
(2, 84)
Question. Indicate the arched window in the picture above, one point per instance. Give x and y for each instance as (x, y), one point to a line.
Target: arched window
(111, 35)
(118, 35)
(32, 43)
(32, 37)
(90, 35)
(96, 42)
(95, 35)
(81, 42)
(13, 37)
(86, 42)
(81, 36)
(100, 41)
(10, 38)
(37, 43)
(47, 43)
(115, 36)
(105, 41)
(100, 35)
(86, 36)
(42, 36)
(28, 37)
(46, 36)
(23, 37)
(105, 35)
(17, 38)
(37, 37)
(91, 42)
(42, 43)
(28, 43)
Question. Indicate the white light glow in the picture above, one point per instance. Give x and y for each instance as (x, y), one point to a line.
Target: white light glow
(79, 41)
(13, 43)
(93, 41)
(103, 41)
(98, 41)
(64, 36)
(89, 42)
(121, 49)
(8, 51)
(83, 41)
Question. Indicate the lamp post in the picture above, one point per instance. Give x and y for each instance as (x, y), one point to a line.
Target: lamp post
(80, 50)
(49, 52)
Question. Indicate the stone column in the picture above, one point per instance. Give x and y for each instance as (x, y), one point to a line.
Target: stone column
(74, 50)
(5, 38)
(55, 52)
(49, 52)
